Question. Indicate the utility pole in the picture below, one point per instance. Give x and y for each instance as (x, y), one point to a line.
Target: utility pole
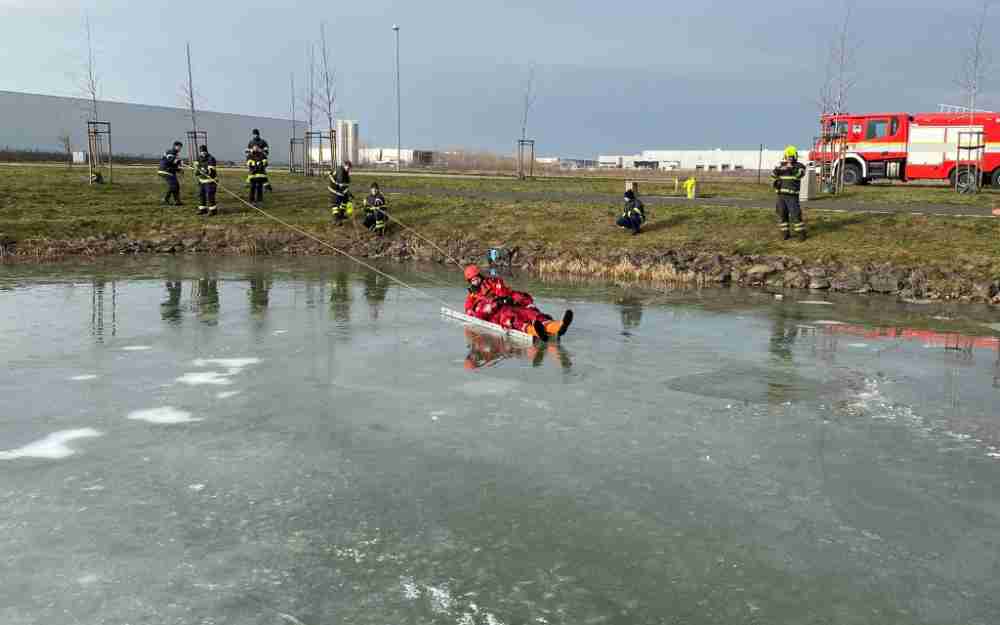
(399, 126)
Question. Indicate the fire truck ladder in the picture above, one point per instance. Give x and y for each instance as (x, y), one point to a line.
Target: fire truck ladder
(832, 150)
(969, 161)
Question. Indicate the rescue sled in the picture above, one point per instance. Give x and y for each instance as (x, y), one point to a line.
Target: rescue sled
(514, 335)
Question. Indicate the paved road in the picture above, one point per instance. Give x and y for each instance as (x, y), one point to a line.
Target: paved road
(830, 204)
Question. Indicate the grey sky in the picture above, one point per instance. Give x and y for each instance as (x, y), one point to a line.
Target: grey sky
(612, 77)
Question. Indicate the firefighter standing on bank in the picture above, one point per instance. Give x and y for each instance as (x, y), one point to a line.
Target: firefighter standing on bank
(255, 139)
(257, 174)
(170, 165)
(340, 191)
(208, 181)
(375, 210)
(787, 181)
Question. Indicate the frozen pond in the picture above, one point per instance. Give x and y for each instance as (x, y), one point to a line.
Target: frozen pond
(296, 441)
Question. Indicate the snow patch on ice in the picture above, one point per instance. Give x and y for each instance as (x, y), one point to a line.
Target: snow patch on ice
(815, 302)
(202, 378)
(226, 394)
(166, 415)
(85, 580)
(233, 365)
(196, 487)
(858, 345)
(52, 447)
(136, 348)
(83, 378)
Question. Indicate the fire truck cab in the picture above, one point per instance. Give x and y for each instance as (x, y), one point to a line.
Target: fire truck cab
(902, 146)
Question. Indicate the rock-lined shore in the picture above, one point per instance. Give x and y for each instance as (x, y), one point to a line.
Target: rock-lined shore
(965, 281)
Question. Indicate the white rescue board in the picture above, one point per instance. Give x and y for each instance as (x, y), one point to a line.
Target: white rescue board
(515, 335)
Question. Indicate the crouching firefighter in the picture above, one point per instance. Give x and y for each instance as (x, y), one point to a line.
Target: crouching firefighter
(256, 174)
(634, 213)
(207, 181)
(787, 181)
(170, 165)
(376, 216)
(340, 192)
(490, 299)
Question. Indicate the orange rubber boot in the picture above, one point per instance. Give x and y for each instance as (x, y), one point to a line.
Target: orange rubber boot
(553, 327)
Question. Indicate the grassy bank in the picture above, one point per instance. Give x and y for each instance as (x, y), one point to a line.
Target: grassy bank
(53, 204)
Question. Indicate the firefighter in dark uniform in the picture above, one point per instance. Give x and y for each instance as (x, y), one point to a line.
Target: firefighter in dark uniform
(170, 165)
(340, 191)
(208, 181)
(376, 216)
(787, 181)
(257, 174)
(634, 213)
(256, 140)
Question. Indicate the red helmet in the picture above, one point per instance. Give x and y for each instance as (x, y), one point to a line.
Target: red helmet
(471, 272)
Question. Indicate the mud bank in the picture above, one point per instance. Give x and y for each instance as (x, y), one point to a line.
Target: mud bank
(961, 282)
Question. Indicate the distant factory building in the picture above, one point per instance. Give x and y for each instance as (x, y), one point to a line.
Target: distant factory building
(37, 122)
(567, 163)
(695, 160)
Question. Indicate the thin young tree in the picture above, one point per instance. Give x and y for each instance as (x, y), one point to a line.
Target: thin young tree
(90, 84)
(66, 141)
(975, 64)
(840, 67)
(529, 101)
(309, 93)
(840, 77)
(328, 100)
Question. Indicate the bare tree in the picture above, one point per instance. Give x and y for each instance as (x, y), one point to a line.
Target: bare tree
(975, 61)
(188, 93)
(90, 85)
(309, 101)
(327, 103)
(529, 100)
(66, 141)
(975, 64)
(840, 68)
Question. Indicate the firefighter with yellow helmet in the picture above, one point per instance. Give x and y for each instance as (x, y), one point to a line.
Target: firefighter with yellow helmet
(787, 181)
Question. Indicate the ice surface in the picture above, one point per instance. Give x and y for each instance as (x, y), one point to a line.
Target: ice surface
(163, 415)
(226, 394)
(52, 447)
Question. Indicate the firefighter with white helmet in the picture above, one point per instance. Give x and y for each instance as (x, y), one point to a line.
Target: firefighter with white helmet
(787, 181)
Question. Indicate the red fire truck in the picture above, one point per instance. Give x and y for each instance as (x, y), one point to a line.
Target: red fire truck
(919, 146)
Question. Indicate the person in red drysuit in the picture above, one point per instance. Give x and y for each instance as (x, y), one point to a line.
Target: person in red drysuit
(490, 299)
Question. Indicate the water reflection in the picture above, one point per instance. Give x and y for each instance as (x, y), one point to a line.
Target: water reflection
(99, 307)
(487, 350)
(170, 308)
(206, 298)
(340, 297)
(630, 308)
(259, 294)
(376, 289)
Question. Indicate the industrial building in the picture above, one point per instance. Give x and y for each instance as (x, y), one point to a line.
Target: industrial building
(390, 156)
(36, 122)
(696, 160)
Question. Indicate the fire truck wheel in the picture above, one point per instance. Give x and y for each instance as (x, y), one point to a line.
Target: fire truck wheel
(852, 174)
(966, 180)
